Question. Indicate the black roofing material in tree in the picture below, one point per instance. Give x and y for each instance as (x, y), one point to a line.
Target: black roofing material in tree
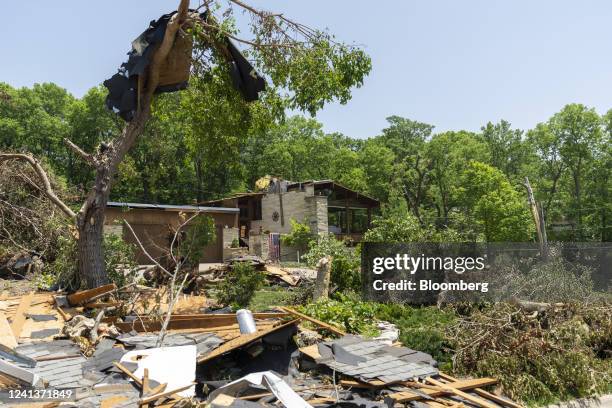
(123, 86)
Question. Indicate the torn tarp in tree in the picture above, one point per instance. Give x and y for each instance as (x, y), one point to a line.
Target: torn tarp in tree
(174, 72)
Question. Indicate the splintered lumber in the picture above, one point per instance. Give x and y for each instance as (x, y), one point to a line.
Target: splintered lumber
(157, 390)
(486, 394)
(456, 385)
(282, 275)
(113, 401)
(128, 373)
(145, 381)
(20, 315)
(101, 305)
(449, 387)
(242, 341)
(83, 296)
(319, 323)
(147, 400)
(6, 333)
(200, 321)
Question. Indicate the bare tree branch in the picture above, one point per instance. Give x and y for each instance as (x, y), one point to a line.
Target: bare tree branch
(144, 250)
(48, 190)
(81, 153)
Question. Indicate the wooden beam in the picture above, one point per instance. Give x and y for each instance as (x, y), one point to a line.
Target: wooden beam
(128, 373)
(501, 401)
(201, 321)
(319, 323)
(157, 390)
(20, 315)
(6, 333)
(147, 400)
(83, 296)
(145, 382)
(460, 385)
(448, 387)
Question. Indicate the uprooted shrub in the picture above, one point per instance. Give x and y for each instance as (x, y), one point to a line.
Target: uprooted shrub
(538, 357)
(240, 284)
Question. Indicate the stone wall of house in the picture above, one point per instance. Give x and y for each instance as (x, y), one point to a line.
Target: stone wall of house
(318, 214)
(295, 206)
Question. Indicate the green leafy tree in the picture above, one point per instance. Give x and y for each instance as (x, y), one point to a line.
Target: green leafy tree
(449, 152)
(494, 206)
(507, 151)
(299, 237)
(281, 50)
(408, 141)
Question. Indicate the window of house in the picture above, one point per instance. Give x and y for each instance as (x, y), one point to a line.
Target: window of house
(336, 220)
(359, 220)
(257, 210)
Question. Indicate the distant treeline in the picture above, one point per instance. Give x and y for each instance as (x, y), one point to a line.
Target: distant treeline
(201, 145)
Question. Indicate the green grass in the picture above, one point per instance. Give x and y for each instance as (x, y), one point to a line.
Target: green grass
(270, 296)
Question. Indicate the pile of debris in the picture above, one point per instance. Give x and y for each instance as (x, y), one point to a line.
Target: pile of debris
(210, 274)
(279, 357)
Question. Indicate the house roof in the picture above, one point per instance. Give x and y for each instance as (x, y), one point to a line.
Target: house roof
(293, 184)
(169, 207)
(335, 185)
(232, 197)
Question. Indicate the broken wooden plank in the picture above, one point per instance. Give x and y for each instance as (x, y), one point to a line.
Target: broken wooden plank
(6, 333)
(113, 401)
(20, 315)
(281, 274)
(101, 305)
(193, 322)
(157, 390)
(460, 385)
(147, 400)
(499, 400)
(319, 323)
(145, 381)
(229, 316)
(450, 388)
(128, 373)
(84, 296)
(242, 341)
(62, 313)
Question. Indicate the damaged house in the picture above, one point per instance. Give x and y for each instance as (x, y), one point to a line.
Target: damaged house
(253, 221)
(326, 206)
(153, 224)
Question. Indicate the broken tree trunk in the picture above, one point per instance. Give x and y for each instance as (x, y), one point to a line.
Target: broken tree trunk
(321, 289)
(89, 221)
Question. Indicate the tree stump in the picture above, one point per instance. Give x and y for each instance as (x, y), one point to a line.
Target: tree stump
(321, 289)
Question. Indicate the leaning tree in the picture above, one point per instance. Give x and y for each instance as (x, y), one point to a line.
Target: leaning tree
(299, 67)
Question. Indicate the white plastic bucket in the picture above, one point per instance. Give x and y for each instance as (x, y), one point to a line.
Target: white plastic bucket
(246, 322)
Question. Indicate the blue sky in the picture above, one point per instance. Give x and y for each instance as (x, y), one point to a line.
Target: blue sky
(454, 64)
